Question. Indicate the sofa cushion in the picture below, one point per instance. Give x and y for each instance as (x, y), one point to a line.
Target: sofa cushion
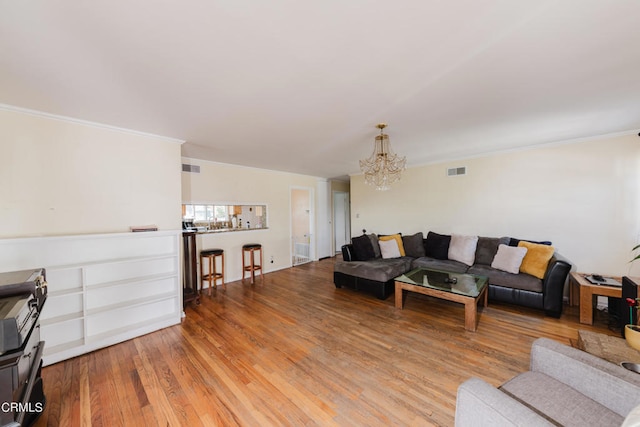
(362, 248)
(559, 402)
(439, 264)
(509, 258)
(487, 249)
(463, 248)
(537, 258)
(389, 249)
(380, 270)
(514, 242)
(374, 243)
(437, 245)
(414, 245)
(502, 278)
(397, 238)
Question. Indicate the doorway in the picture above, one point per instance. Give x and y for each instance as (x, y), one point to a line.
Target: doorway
(341, 222)
(302, 244)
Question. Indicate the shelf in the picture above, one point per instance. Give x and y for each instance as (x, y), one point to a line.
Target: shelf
(103, 289)
(130, 304)
(61, 319)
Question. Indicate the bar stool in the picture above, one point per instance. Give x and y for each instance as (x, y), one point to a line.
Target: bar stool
(209, 256)
(251, 248)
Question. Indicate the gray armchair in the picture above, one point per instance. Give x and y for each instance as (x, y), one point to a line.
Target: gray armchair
(565, 386)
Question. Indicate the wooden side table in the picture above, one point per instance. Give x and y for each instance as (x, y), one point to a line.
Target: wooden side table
(580, 289)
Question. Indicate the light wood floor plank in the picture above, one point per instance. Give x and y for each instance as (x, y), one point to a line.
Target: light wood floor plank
(294, 350)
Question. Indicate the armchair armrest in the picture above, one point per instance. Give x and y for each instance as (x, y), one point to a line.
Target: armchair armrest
(553, 285)
(480, 404)
(606, 383)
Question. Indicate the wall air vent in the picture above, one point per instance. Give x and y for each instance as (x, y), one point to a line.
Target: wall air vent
(457, 171)
(190, 168)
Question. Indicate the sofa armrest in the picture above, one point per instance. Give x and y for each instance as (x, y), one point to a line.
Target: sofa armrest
(553, 285)
(480, 404)
(608, 384)
(347, 252)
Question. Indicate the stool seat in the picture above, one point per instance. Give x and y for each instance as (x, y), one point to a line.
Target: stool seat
(208, 256)
(208, 252)
(252, 266)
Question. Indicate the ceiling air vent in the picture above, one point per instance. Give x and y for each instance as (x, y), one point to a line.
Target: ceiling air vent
(190, 168)
(457, 171)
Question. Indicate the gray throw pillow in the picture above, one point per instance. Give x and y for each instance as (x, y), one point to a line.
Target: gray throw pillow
(413, 245)
(487, 249)
(375, 244)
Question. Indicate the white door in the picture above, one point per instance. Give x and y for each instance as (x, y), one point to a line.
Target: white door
(342, 233)
(301, 220)
(323, 219)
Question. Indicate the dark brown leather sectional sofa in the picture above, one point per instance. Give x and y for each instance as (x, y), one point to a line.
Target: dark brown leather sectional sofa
(361, 270)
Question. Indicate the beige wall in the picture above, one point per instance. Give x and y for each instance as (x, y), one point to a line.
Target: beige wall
(229, 184)
(584, 197)
(65, 177)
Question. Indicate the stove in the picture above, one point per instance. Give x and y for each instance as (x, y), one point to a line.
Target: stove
(22, 297)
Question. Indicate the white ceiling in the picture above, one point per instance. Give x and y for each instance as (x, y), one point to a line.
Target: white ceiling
(299, 86)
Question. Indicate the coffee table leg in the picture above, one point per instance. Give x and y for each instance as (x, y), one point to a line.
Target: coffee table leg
(470, 315)
(398, 296)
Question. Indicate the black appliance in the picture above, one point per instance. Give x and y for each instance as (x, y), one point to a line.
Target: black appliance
(619, 313)
(629, 290)
(22, 297)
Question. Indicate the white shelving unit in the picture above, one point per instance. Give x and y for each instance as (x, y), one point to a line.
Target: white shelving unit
(103, 289)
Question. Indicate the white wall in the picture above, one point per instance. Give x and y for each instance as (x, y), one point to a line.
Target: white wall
(584, 197)
(61, 177)
(234, 185)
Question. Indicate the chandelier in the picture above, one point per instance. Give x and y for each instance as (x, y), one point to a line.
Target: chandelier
(383, 167)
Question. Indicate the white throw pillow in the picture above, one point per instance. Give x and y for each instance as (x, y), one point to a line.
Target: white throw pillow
(389, 248)
(509, 258)
(463, 248)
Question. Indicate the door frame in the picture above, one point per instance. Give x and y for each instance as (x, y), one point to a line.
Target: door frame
(312, 234)
(347, 219)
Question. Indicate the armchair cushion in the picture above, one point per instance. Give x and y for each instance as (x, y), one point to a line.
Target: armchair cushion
(549, 398)
(565, 386)
(480, 404)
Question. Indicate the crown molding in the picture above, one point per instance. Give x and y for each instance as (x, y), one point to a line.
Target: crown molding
(13, 108)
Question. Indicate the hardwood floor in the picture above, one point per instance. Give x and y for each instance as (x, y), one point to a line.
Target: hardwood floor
(295, 350)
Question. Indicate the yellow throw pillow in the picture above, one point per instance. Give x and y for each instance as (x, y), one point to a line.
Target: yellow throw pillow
(536, 259)
(398, 239)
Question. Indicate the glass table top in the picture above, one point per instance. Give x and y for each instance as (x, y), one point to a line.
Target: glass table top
(458, 283)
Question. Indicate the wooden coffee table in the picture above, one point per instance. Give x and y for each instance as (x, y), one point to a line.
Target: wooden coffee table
(465, 289)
